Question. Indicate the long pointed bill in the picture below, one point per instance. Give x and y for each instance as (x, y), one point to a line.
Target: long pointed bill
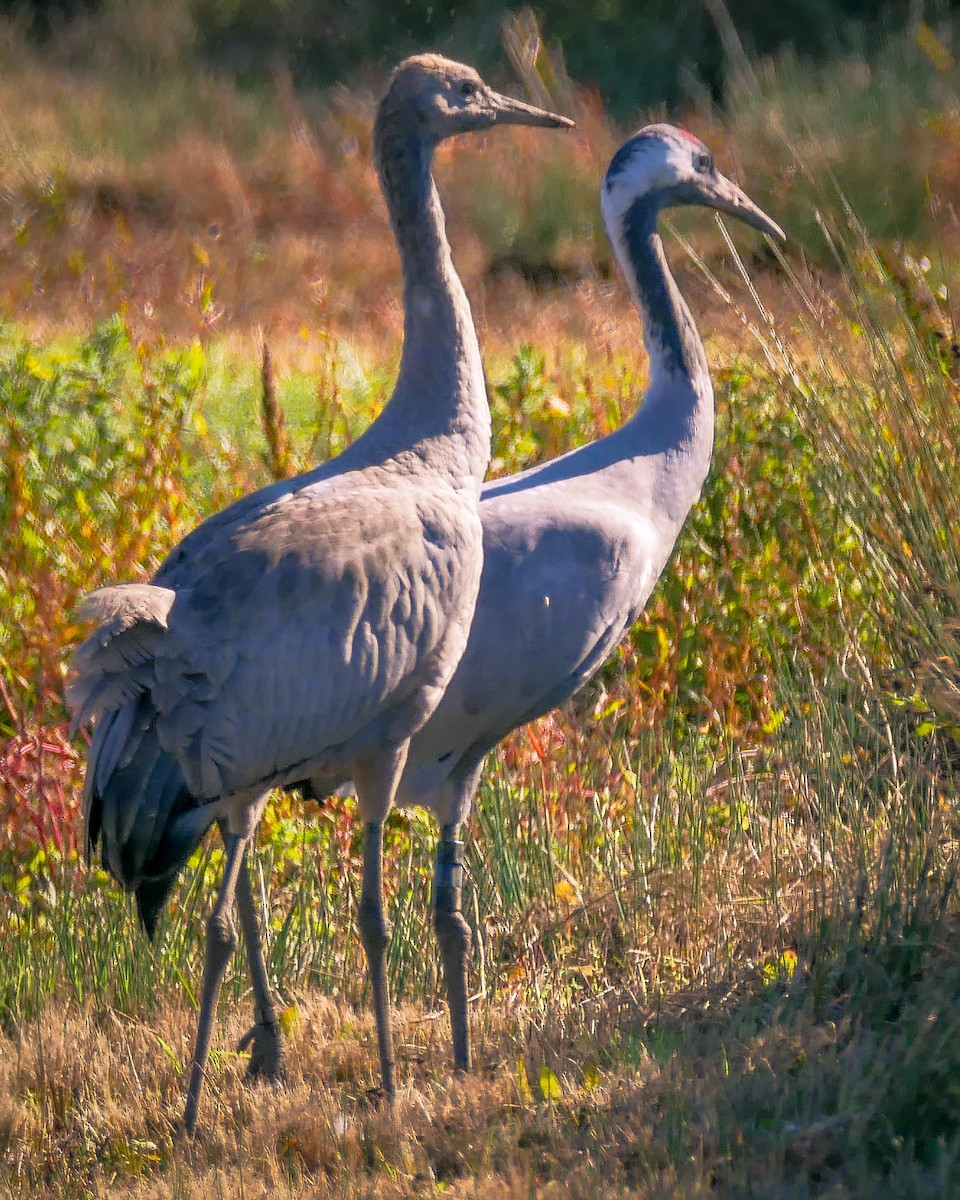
(508, 111)
(719, 192)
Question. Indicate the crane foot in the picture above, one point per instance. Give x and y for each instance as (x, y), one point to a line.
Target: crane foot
(266, 1052)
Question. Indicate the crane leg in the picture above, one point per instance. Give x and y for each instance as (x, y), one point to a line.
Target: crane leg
(375, 934)
(220, 945)
(453, 934)
(376, 781)
(266, 1046)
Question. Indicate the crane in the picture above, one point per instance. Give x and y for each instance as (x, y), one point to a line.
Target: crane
(311, 627)
(573, 547)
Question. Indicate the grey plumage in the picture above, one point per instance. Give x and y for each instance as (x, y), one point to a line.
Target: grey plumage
(573, 548)
(311, 627)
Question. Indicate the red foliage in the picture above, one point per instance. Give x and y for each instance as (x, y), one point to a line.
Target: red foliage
(40, 787)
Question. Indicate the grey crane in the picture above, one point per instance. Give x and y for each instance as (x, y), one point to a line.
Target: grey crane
(573, 548)
(311, 627)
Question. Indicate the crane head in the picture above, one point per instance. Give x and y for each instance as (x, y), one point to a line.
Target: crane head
(439, 98)
(664, 167)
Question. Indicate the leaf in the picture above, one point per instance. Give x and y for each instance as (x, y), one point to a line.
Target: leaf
(169, 1052)
(591, 1076)
(559, 406)
(516, 973)
(780, 967)
(550, 1087)
(288, 1019)
(565, 892)
(932, 48)
(523, 1083)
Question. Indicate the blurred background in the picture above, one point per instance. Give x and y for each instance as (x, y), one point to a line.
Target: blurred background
(635, 53)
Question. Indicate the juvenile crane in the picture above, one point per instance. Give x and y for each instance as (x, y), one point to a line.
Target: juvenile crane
(573, 548)
(310, 628)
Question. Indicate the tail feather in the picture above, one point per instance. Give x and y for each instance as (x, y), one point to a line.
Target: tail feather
(116, 743)
(91, 822)
(136, 797)
(111, 739)
(168, 800)
(91, 697)
(126, 801)
(152, 897)
(123, 605)
(137, 805)
(114, 664)
(180, 838)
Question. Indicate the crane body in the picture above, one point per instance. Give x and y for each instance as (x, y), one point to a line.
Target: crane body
(311, 627)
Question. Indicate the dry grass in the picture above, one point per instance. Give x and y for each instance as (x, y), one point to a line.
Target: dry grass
(745, 1090)
(766, 1005)
(98, 1093)
(318, 1135)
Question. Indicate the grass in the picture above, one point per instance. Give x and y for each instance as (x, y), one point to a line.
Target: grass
(714, 898)
(756, 988)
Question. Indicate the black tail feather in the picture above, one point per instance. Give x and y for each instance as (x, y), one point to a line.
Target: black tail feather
(181, 837)
(145, 818)
(151, 898)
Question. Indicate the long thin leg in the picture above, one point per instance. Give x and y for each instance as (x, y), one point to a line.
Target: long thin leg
(453, 934)
(266, 1053)
(375, 934)
(220, 945)
(376, 782)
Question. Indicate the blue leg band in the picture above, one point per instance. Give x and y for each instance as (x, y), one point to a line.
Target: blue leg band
(448, 876)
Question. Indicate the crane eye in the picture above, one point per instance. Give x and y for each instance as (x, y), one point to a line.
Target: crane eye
(703, 163)
(467, 89)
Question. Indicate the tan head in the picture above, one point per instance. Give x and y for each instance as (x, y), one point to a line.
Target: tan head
(432, 98)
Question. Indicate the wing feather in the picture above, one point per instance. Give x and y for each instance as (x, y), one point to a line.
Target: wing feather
(284, 637)
(558, 591)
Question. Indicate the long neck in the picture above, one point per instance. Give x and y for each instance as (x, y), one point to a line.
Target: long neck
(675, 422)
(438, 411)
(669, 333)
(657, 461)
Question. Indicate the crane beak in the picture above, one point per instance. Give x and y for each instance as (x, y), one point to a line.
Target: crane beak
(507, 111)
(721, 193)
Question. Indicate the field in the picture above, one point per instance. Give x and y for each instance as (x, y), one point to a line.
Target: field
(713, 898)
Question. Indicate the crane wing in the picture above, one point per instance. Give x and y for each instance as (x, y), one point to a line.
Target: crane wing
(557, 594)
(288, 634)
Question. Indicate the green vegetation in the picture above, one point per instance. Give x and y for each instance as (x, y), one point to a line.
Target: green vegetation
(636, 55)
(714, 898)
